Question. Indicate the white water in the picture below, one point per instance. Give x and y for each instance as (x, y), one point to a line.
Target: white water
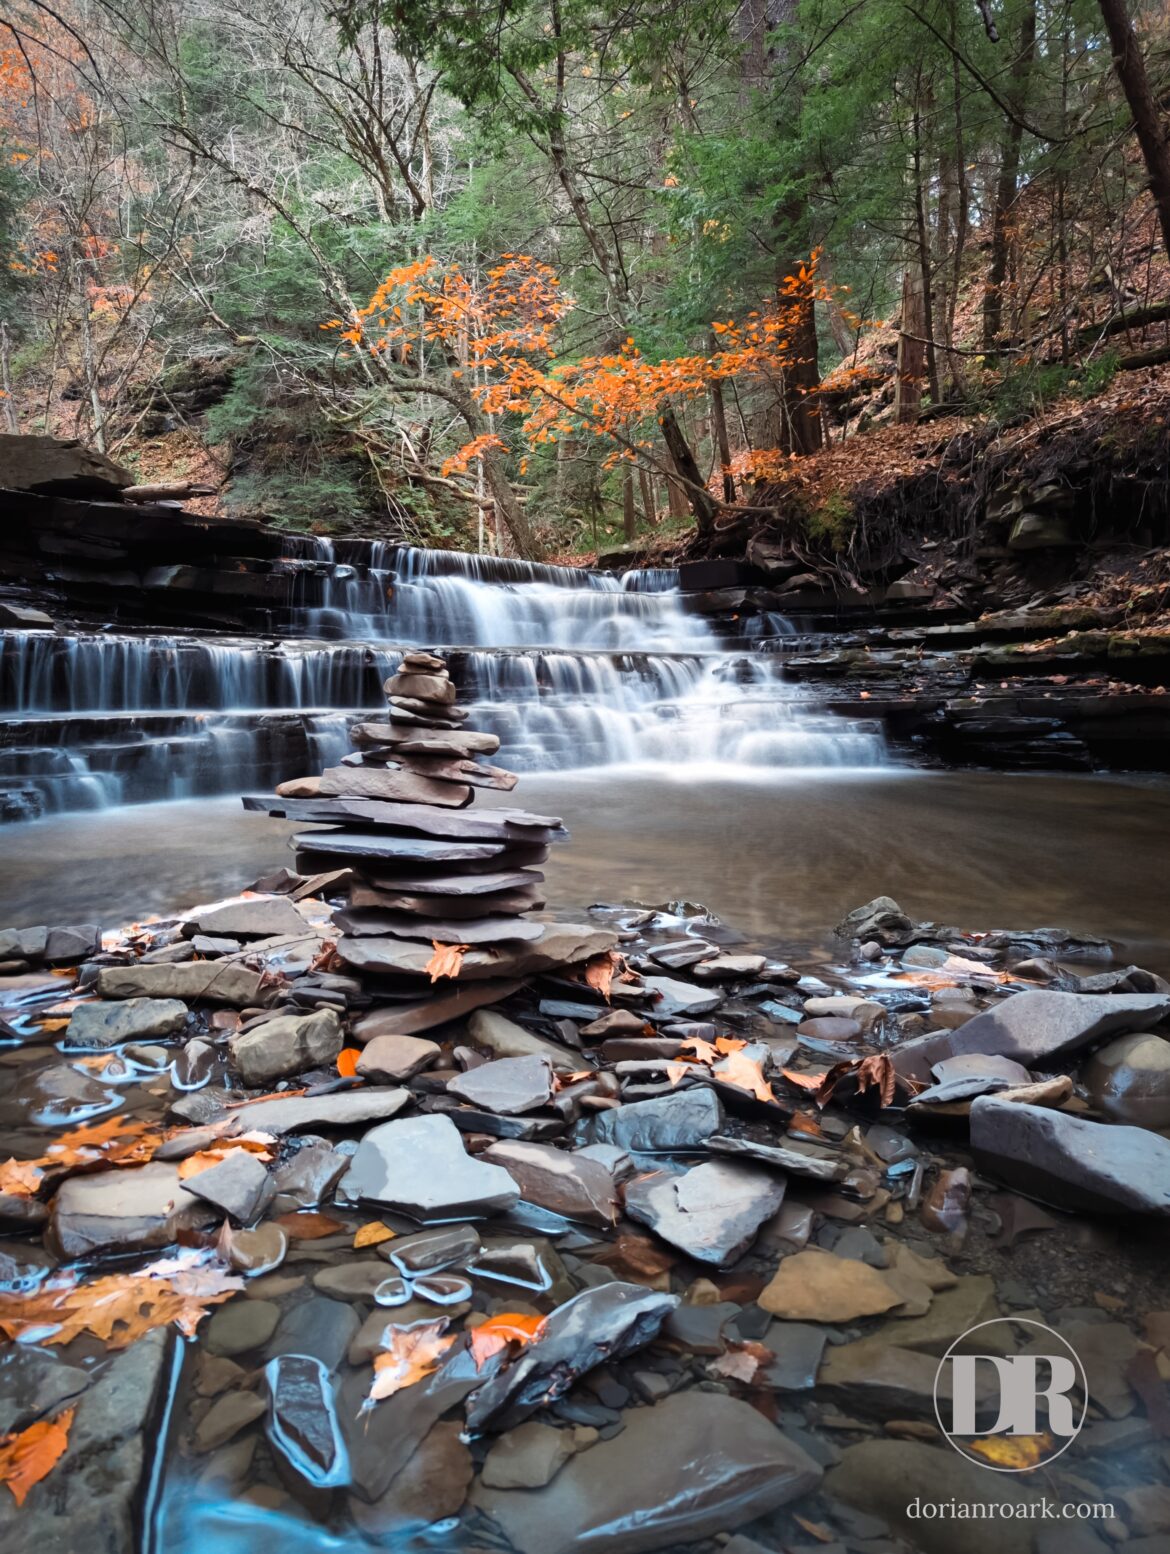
(572, 669)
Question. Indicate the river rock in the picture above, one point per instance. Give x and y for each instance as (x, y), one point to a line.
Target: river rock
(343, 1109)
(420, 1167)
(239, 1185)
(431, 1250)
(302, 1424)
(1065, 1160)
(225, 1419)
(528, 1457)
(287, 1045)
(817, 1165)
(688, 1468)
(683, 1120)
(35, 1382)
(395, 1059)
(564, 1183)
(506, 1039)
(1129, 1080)
(258, 1251)
(351, 1281)
(402, 925)
(671, 997)
(257, 917)
(215, 981)
(427, 1013)
(712, 1212)
(1034, 1026)
(599, 1324)
(430, 1488)
(507, 1085)
(816, 1286)
(308, 1178)
(371, 782)
(617, 1022)
(93, 1027)
(124, 1210)
(240, 1326)
(881, 920)
(874, 1376)
(561, 944)
(729, 968)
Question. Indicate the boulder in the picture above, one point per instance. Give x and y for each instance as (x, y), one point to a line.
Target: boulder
(420, 1167)
(287, 1045)
(1129, 1080)
(1075, 1164)
(1034, 1026)
(93, 1027)
(712, 1212)
(688, 1468)
(125, 1210)
(55, 466)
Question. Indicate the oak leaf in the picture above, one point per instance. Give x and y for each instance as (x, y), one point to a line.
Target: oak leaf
(28, 1457)
(447, 961)
(745, 1074)
(507, 1327)
(414, 1353)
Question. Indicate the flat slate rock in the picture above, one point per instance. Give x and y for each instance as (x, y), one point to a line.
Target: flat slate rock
(363, 922)
(384, 844)
(263, 917)
(125, 1210)
(395, 1059)
(424, 1015)
(368, 782)
(420, 1167)
(454, 884)
(796, 1161)
(680, 998)
(816, 1286)
(239, 1185)
(711, 1213)
(506, 1039)
(689, 1468)
(1094, 1166)
(683, 1120)
(554, 1179)
(561, 944)
(1030, 1027)
(214, 981)
(507, 1085)
(500, 824)
(93, 1027)
(440, 907)
(459, 743)
(339, 1109)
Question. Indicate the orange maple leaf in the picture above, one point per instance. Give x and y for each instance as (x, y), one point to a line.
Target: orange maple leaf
(29, 1456)
(507, 1327)
(20, 1178)
(745, 1074)
(446, 961)
(414, 1353)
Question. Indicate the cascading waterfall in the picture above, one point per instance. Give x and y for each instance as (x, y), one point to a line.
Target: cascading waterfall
(570, 668)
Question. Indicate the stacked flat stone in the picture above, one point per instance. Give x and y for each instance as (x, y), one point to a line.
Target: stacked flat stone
(421, 870)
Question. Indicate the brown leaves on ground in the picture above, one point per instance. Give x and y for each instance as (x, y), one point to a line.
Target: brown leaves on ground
(447, 961)
(373, 1234)
(725, 1057)
(119, 1308)
(1015, 1453)
(29, 1456)
(740, 1362)
(507, 1327)
(414, 1353)
(259, 1144)
(873, 1072)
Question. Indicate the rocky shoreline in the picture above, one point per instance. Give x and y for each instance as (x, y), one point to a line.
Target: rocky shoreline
(481, 1231)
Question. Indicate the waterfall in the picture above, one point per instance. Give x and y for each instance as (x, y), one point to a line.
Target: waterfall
(571, 668)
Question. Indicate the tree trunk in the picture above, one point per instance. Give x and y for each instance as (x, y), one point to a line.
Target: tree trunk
(11, 422)
(911, 347)
(702, 503)
(1006, 185)
(649, 502)
(629, 511)
(508, 507)
(719, 430)
(1147, 121)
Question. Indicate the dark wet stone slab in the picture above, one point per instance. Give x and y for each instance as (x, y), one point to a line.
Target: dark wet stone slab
(426, 1014)
(341, 1109)
(507, 1085)
(555, 1179)
(125, 1210)
(712, 1212)
(683, 1120)
(95, 1026)
(818, 1165)
(374, 921)
(420, 1167)
(302, 1422)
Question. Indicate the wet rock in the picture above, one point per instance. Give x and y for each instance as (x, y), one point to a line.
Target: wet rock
(124, 1210)
(798, 1347)
(729, 968)
(599, 1324)
(695, 1465)
(351, 1281)
(561, 944)
(519, 1263)
(193, 1065)
(308, 1178)
(680, 998)
(880, 921)
(319, 1327)
(528, 1457)
(33, 1383)
(1106, 1350)
(829, 1027)
(93, 1027)
(945, 1207)
(1064, 1160)
(395, 1059)
(425, 1015)
(1033, 1026)
(683, 1120)
(260, 917)
(216, 982)
(818, 1287)
(711, 1213)
(287, 1045)
(432, 1250)
(506, 1039)
(969, 1301)
(875, 1376)
(343, 1109)
(1129, 1080)
(430, 1488)
(420, 1167)
(257, 1251)
(239, 1185)
(617, 1022)
(240, 1326)
(302, 1424)
(226, 1418)
(565, 1183)
(818, 1165)
(507, 1085)
(55, 1096)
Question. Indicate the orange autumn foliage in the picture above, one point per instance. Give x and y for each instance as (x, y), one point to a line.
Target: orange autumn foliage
(507, 1327)
(114, 1141)
(347, 1062)
(599, 972)
(373, 1234)
(414, 1353)
(28, 1457)
(446, 961)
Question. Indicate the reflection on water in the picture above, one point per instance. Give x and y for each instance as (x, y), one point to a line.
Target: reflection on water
(780, 857)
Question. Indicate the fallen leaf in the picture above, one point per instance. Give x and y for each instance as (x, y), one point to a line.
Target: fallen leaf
(1016, 1453)
(446, 961)
(705, 1051)
(740, 1362)
(498, 1332)
(676, 1072)
(204, 1159)
(347, 1062)
(729, 1044)
(373, 1234)
(20, 1178)
(599, 972)
(414, 1353)
(120, 1307)
(28, 1457)
(307, 1227)
(811, 1080)
(745, 1074)
(877, 1072)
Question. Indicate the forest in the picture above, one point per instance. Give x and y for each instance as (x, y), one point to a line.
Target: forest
(555, 277)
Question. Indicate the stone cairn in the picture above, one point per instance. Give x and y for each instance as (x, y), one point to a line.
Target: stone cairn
(438, 897)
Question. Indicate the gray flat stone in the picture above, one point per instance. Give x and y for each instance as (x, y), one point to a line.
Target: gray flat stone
(420, 1167)
(507, 1085)
(214, 981)
(342, 1109)
(712, 1212)
(239, 1185)
(125, 1210)
(683, 1120)
(1030, 1027)
(557, 1180)
(394, 1059)
(261, 917)
(680, 998)
(428, 1013)
(93, 1027)
(487, 1028)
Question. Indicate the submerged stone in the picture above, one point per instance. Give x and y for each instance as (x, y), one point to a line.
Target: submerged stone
(95, 1026)
(302, 1422)
(420, 1167)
